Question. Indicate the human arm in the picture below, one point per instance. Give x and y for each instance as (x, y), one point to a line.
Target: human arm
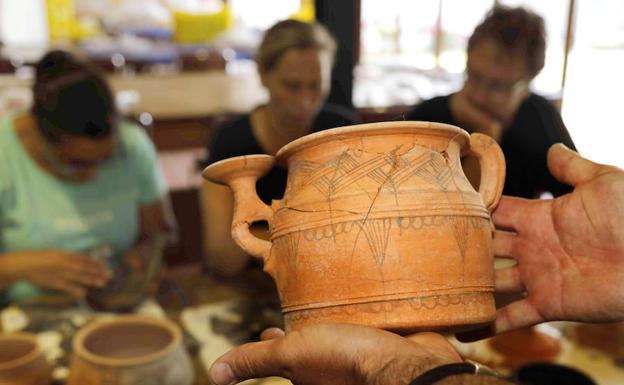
(157, 225)
(157, 229)
(474, 119)
(570, 250)
(335, 354)
(54, 269)
(456, 109)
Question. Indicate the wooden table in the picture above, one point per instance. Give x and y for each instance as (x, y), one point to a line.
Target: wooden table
(200, 288)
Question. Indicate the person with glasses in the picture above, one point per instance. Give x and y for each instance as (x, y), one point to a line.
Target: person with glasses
(505, 52)
(81, 192)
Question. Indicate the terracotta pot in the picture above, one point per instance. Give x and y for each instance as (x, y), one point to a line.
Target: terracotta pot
(130, 350)
(524, 346)
(22, 362)
(378, 225)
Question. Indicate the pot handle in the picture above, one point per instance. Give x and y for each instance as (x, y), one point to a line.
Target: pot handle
(492, 165)
(240, 174)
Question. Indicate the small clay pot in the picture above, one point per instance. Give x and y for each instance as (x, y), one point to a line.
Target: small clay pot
(130, 350)
(524, 346)
(378, 225)
(22, 362)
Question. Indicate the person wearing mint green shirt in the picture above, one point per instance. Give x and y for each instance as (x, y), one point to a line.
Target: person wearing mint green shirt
(74, 178)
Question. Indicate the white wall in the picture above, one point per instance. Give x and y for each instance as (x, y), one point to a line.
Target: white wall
(23, 23)
(593, 98)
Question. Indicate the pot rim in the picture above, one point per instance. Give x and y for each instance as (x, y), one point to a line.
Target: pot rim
(412, 126)
(26, 358)
(79, 348)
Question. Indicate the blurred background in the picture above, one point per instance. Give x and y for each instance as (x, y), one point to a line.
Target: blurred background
(400, 51)
(180, 67)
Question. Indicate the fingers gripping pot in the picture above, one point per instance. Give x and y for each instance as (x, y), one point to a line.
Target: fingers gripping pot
(378, 225)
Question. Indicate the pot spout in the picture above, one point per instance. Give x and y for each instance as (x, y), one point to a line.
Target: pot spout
(240, 174)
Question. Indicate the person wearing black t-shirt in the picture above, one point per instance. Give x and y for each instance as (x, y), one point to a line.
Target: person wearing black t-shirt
(294, 61)
(505, 52)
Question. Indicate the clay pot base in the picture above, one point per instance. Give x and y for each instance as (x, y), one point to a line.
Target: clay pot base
(461, 312)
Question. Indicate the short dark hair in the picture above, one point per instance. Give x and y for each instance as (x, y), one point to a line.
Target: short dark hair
(71, 96)
(517, 30)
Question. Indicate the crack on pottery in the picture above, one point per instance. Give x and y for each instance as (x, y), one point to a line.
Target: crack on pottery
(361, 150)
(319, 211)
(398, 280)
(377, 236)
(345, 170)
(458, 224)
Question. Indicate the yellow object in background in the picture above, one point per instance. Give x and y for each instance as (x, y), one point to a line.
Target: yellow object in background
(13, 319)
(306, 12)
(61, 19)
(201, 27)
(83, 29)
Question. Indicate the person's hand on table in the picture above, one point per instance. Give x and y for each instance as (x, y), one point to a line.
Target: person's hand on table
(56, 269)
(338, 354)
(144, 263)
(570, 250)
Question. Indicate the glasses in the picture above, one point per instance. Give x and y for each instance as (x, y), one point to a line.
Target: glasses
(496, 88)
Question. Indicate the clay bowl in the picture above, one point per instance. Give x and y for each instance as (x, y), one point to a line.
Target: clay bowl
(130, 350)
(22, 362)
(525, 346)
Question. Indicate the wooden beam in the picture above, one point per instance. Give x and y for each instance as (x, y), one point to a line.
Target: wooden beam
(569, 41)
(342, 18)
(439, 36)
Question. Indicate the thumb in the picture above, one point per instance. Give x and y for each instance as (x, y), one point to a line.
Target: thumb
(253, 360)
(426, 338)
(436, 344)
(569, 167)
(271, 333)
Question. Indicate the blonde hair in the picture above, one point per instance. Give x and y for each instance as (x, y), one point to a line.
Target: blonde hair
(289, 34)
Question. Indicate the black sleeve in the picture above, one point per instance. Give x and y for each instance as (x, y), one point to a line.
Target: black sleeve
(347, 116)
(231, 139)
(332, 116)
(556, 132)
(432, 110)
(561, 133)
(218, 146)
